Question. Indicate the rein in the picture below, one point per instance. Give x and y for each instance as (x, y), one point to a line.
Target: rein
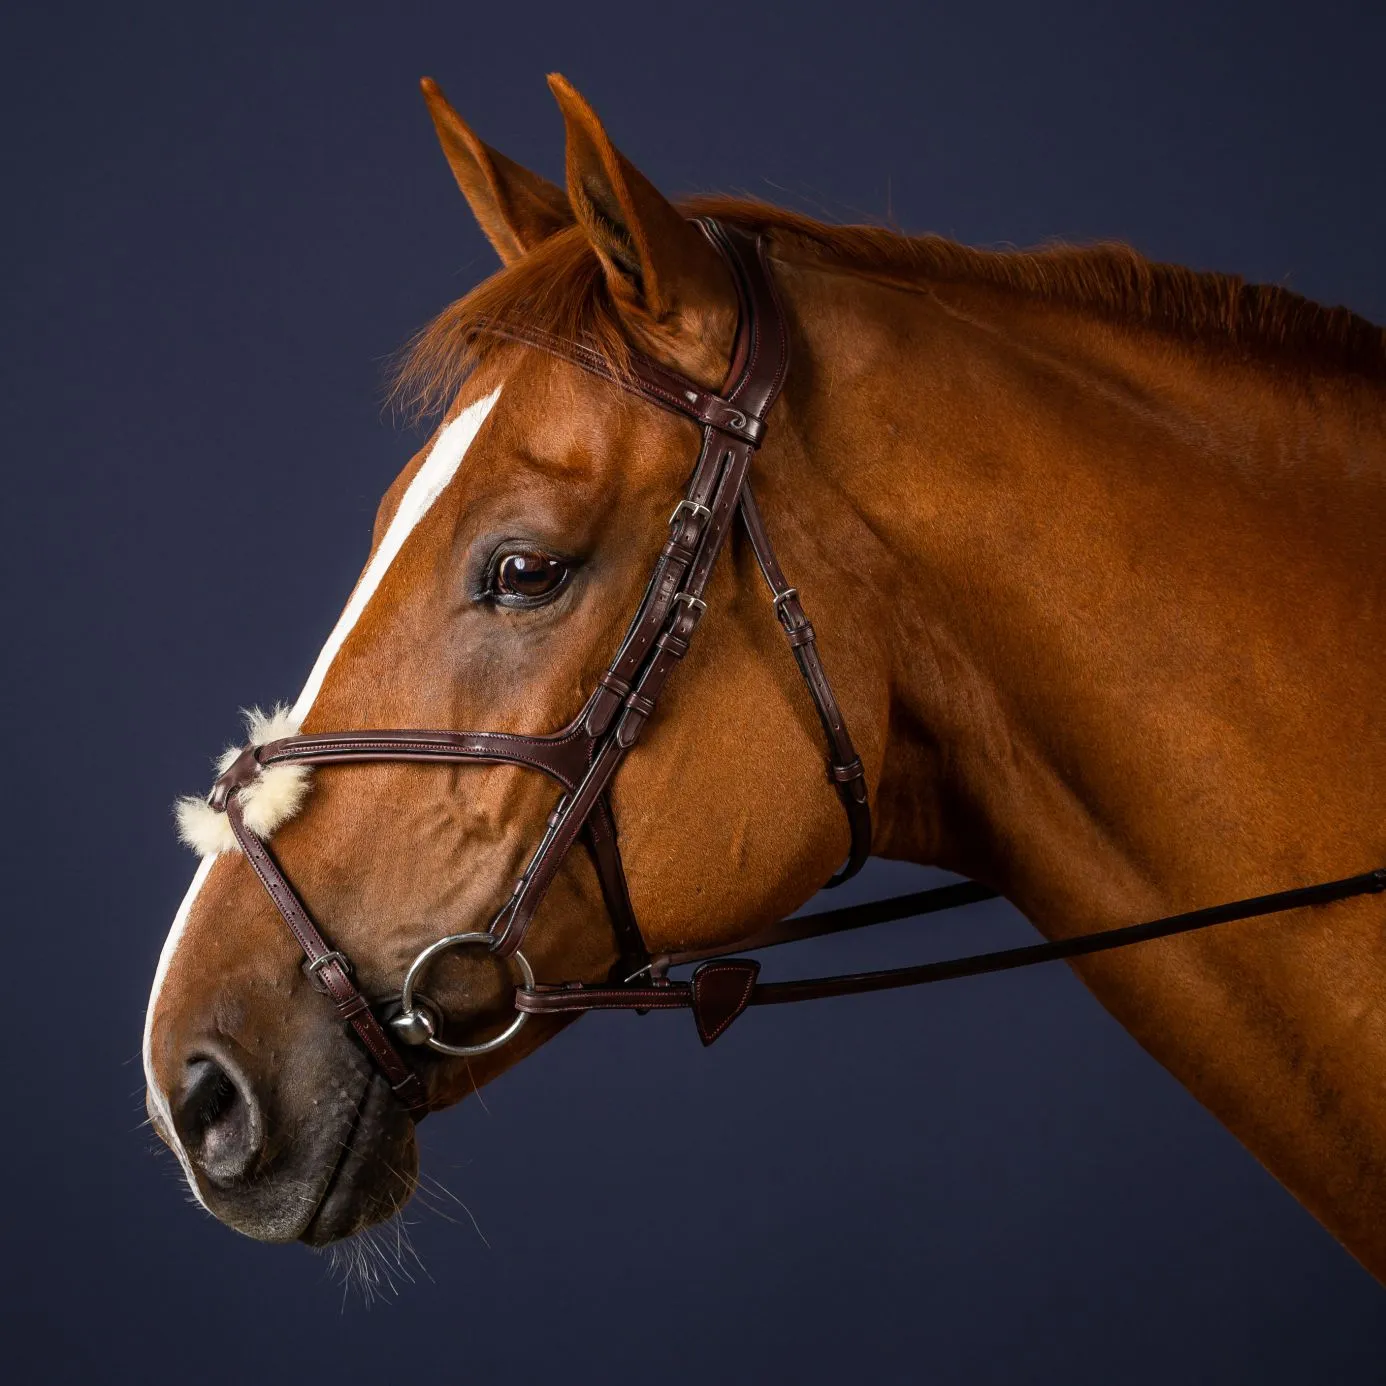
(583, 757)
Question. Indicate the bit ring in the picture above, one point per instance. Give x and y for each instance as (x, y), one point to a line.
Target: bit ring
(420, 964)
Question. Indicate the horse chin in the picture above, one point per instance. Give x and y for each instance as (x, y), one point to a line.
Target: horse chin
(375, 1174)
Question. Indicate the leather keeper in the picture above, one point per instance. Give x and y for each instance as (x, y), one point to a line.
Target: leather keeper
(353, 1005)
(236, 776)
(679, 553)
(791, 613)
(615, 683)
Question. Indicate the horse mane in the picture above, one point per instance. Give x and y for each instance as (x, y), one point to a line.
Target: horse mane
(558, 291)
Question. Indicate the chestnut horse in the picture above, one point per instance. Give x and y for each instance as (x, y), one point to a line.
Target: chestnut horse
(1094, 550)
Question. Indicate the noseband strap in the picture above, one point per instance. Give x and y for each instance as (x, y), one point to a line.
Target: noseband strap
(329, 970)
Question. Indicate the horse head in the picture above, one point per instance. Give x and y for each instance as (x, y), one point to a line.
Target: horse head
(506, 561)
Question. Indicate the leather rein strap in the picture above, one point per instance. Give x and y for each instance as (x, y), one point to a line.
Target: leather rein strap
(584, 756)
(722, 988)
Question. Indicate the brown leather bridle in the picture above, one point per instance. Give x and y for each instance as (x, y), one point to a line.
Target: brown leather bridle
(585, 755)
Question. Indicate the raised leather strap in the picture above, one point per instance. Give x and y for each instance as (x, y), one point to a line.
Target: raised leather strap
(328, 967)
(563, 756)
(667, 995)
(660, 633)
(845, 770)
(636, 708)
(797, 928)
(646, 378)
(740, 412)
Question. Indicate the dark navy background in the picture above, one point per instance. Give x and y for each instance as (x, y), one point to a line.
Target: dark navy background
(218, 220)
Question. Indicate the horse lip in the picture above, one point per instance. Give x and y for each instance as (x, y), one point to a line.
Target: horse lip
(345, 1196)
(348, 1144)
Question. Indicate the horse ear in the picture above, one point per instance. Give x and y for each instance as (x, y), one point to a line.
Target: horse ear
(515, 208)
(662, 273)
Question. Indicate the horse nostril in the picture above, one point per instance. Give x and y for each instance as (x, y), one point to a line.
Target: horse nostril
(218, 1119)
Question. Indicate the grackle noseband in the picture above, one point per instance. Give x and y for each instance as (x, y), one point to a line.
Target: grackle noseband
(584, 756)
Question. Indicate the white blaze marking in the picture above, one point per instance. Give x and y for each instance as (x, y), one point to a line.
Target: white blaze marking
(439, 468)
(165, 959)
(429, 482)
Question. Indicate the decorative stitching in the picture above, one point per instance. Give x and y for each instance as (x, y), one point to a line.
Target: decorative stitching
(750, 973)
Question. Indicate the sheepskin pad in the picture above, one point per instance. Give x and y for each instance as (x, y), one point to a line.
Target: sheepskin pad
(267, 802)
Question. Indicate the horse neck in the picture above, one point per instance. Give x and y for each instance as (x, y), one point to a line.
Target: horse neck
(1130, 594)
(1129, 590)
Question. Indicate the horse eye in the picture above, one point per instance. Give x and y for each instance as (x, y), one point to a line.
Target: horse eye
(529, 575)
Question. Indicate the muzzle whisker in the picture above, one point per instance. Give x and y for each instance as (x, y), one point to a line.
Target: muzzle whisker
(476, 1088)
(440, 1187)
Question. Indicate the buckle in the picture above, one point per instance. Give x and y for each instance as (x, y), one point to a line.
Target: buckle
(696, 606)
(690, 505)
(313, 968)
(786, 617)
